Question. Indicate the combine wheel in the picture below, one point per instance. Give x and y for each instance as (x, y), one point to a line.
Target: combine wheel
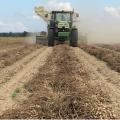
(74, 38)
(51, 40)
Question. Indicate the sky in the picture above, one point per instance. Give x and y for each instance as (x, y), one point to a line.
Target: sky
(99, 19)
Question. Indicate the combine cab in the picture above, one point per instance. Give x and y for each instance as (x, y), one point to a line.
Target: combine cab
(60, 26)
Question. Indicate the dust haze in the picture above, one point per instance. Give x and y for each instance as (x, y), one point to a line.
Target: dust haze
(101, 26)
(106, 30)
(97, 27)
(31, 39)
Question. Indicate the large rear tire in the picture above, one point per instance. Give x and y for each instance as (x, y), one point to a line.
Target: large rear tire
(74, 38)
(51, 40)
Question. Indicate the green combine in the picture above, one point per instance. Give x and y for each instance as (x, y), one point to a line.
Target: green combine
(60, 26)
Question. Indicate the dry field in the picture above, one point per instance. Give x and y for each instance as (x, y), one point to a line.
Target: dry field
(115, 47)
(59, 82)
(109, 55)
(9, 42)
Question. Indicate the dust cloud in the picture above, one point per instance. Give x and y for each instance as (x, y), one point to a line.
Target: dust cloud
(31, 39)
(100, 27)
(95, 26)
(104, 31)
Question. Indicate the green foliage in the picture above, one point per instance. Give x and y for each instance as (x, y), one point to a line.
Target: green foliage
(17, 90)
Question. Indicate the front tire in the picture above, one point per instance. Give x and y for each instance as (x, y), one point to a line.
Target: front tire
(74, 38)
(51, 40)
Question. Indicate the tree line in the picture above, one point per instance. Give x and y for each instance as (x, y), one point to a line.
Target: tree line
(11, 34)
(21, 34)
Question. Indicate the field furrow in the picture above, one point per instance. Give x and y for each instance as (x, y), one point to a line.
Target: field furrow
(10, 56)
(69, 85)
(111, 57)
(115, 47)
(8, 72)
(21, 77)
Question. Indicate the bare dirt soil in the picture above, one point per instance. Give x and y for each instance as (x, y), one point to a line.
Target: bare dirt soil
(8, 57)
(111, 57)
(60, 82)
(115, 47)
(12, 42)
(14, 48)
(15, 75)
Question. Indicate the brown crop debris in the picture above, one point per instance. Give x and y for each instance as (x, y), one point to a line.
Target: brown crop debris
(9, 57)
(62, 89)
(111, 57)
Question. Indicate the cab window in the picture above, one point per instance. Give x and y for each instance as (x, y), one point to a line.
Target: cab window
(62, 17)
